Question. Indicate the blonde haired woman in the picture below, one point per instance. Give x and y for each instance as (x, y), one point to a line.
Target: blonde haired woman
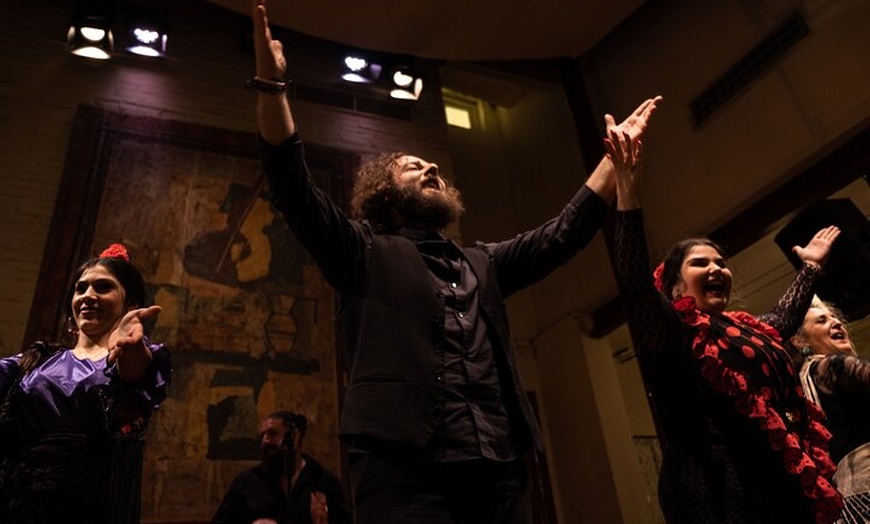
(838, 380)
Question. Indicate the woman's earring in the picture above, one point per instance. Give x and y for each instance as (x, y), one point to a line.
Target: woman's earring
(71, 327)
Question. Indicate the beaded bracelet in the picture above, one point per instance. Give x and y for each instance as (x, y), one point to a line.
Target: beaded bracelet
(815, 266)
(266, 85)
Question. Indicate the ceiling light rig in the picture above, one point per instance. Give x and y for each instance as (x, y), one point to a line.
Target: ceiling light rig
(90, 36)
(146, 36)
(407, 83)
(90, 32)
(360, 70)
(403, 82)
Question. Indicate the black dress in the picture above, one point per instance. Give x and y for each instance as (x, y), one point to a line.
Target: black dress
(840, 384)
(740, 442)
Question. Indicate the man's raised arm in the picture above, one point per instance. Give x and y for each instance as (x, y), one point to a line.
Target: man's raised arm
(274, 119)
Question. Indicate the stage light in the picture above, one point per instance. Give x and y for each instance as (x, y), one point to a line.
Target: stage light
(366, 67)
(91, 37)
(145, 31)
(147, 40)
(407, 84)
(360, 70)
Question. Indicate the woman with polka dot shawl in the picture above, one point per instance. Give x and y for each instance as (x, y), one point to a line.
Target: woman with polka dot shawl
(740, 442)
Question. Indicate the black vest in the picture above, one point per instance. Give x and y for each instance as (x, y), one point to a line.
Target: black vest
(392, 332)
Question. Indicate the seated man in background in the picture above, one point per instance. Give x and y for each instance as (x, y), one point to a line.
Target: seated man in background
(287, 486)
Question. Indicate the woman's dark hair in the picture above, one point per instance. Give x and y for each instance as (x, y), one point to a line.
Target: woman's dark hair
(35, 355)
(374, 190)
(673, 260)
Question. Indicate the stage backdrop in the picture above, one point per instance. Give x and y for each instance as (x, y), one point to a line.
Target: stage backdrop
(247, 315)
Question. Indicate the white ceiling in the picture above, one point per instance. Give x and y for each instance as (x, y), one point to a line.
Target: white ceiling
(464, 30)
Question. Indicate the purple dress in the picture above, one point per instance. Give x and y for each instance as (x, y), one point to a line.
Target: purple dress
(72, 434)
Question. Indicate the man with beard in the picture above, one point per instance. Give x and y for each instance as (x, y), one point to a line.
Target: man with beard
(435, 416)
(288, 486)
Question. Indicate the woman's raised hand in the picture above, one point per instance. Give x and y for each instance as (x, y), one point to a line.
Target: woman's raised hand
(819, 247)
(626, 153)
(130, 332)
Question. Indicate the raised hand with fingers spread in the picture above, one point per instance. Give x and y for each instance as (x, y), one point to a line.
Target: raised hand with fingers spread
(127, 345)
(819, 247)
(626, 134)
(636, 123)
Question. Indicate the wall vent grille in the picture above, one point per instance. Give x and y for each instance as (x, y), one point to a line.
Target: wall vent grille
(738, 77)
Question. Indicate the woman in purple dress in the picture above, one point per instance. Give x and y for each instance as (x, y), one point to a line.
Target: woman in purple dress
(72, 419)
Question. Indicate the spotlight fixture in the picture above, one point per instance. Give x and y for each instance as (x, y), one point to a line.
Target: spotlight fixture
(146, 36)
(360, 70)
(407, 84)
(400, 80)
(90, 36)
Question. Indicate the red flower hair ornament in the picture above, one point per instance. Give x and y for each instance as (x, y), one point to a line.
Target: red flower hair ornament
(115, 251)
(657, 276)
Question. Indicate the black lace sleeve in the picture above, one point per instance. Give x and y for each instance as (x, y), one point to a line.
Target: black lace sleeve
(788, 313)
(662, 341)
(654, 324)
(842, 373)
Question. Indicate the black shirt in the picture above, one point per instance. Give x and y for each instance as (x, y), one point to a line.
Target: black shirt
(474, 422)
(256, 493)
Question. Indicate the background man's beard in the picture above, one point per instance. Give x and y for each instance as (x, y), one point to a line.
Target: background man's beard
(273, 460)
(431, 209)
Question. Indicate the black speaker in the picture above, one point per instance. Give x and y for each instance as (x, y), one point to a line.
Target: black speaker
(846, 281)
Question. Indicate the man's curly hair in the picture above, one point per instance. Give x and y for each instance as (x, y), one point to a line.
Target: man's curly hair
(374, 191)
